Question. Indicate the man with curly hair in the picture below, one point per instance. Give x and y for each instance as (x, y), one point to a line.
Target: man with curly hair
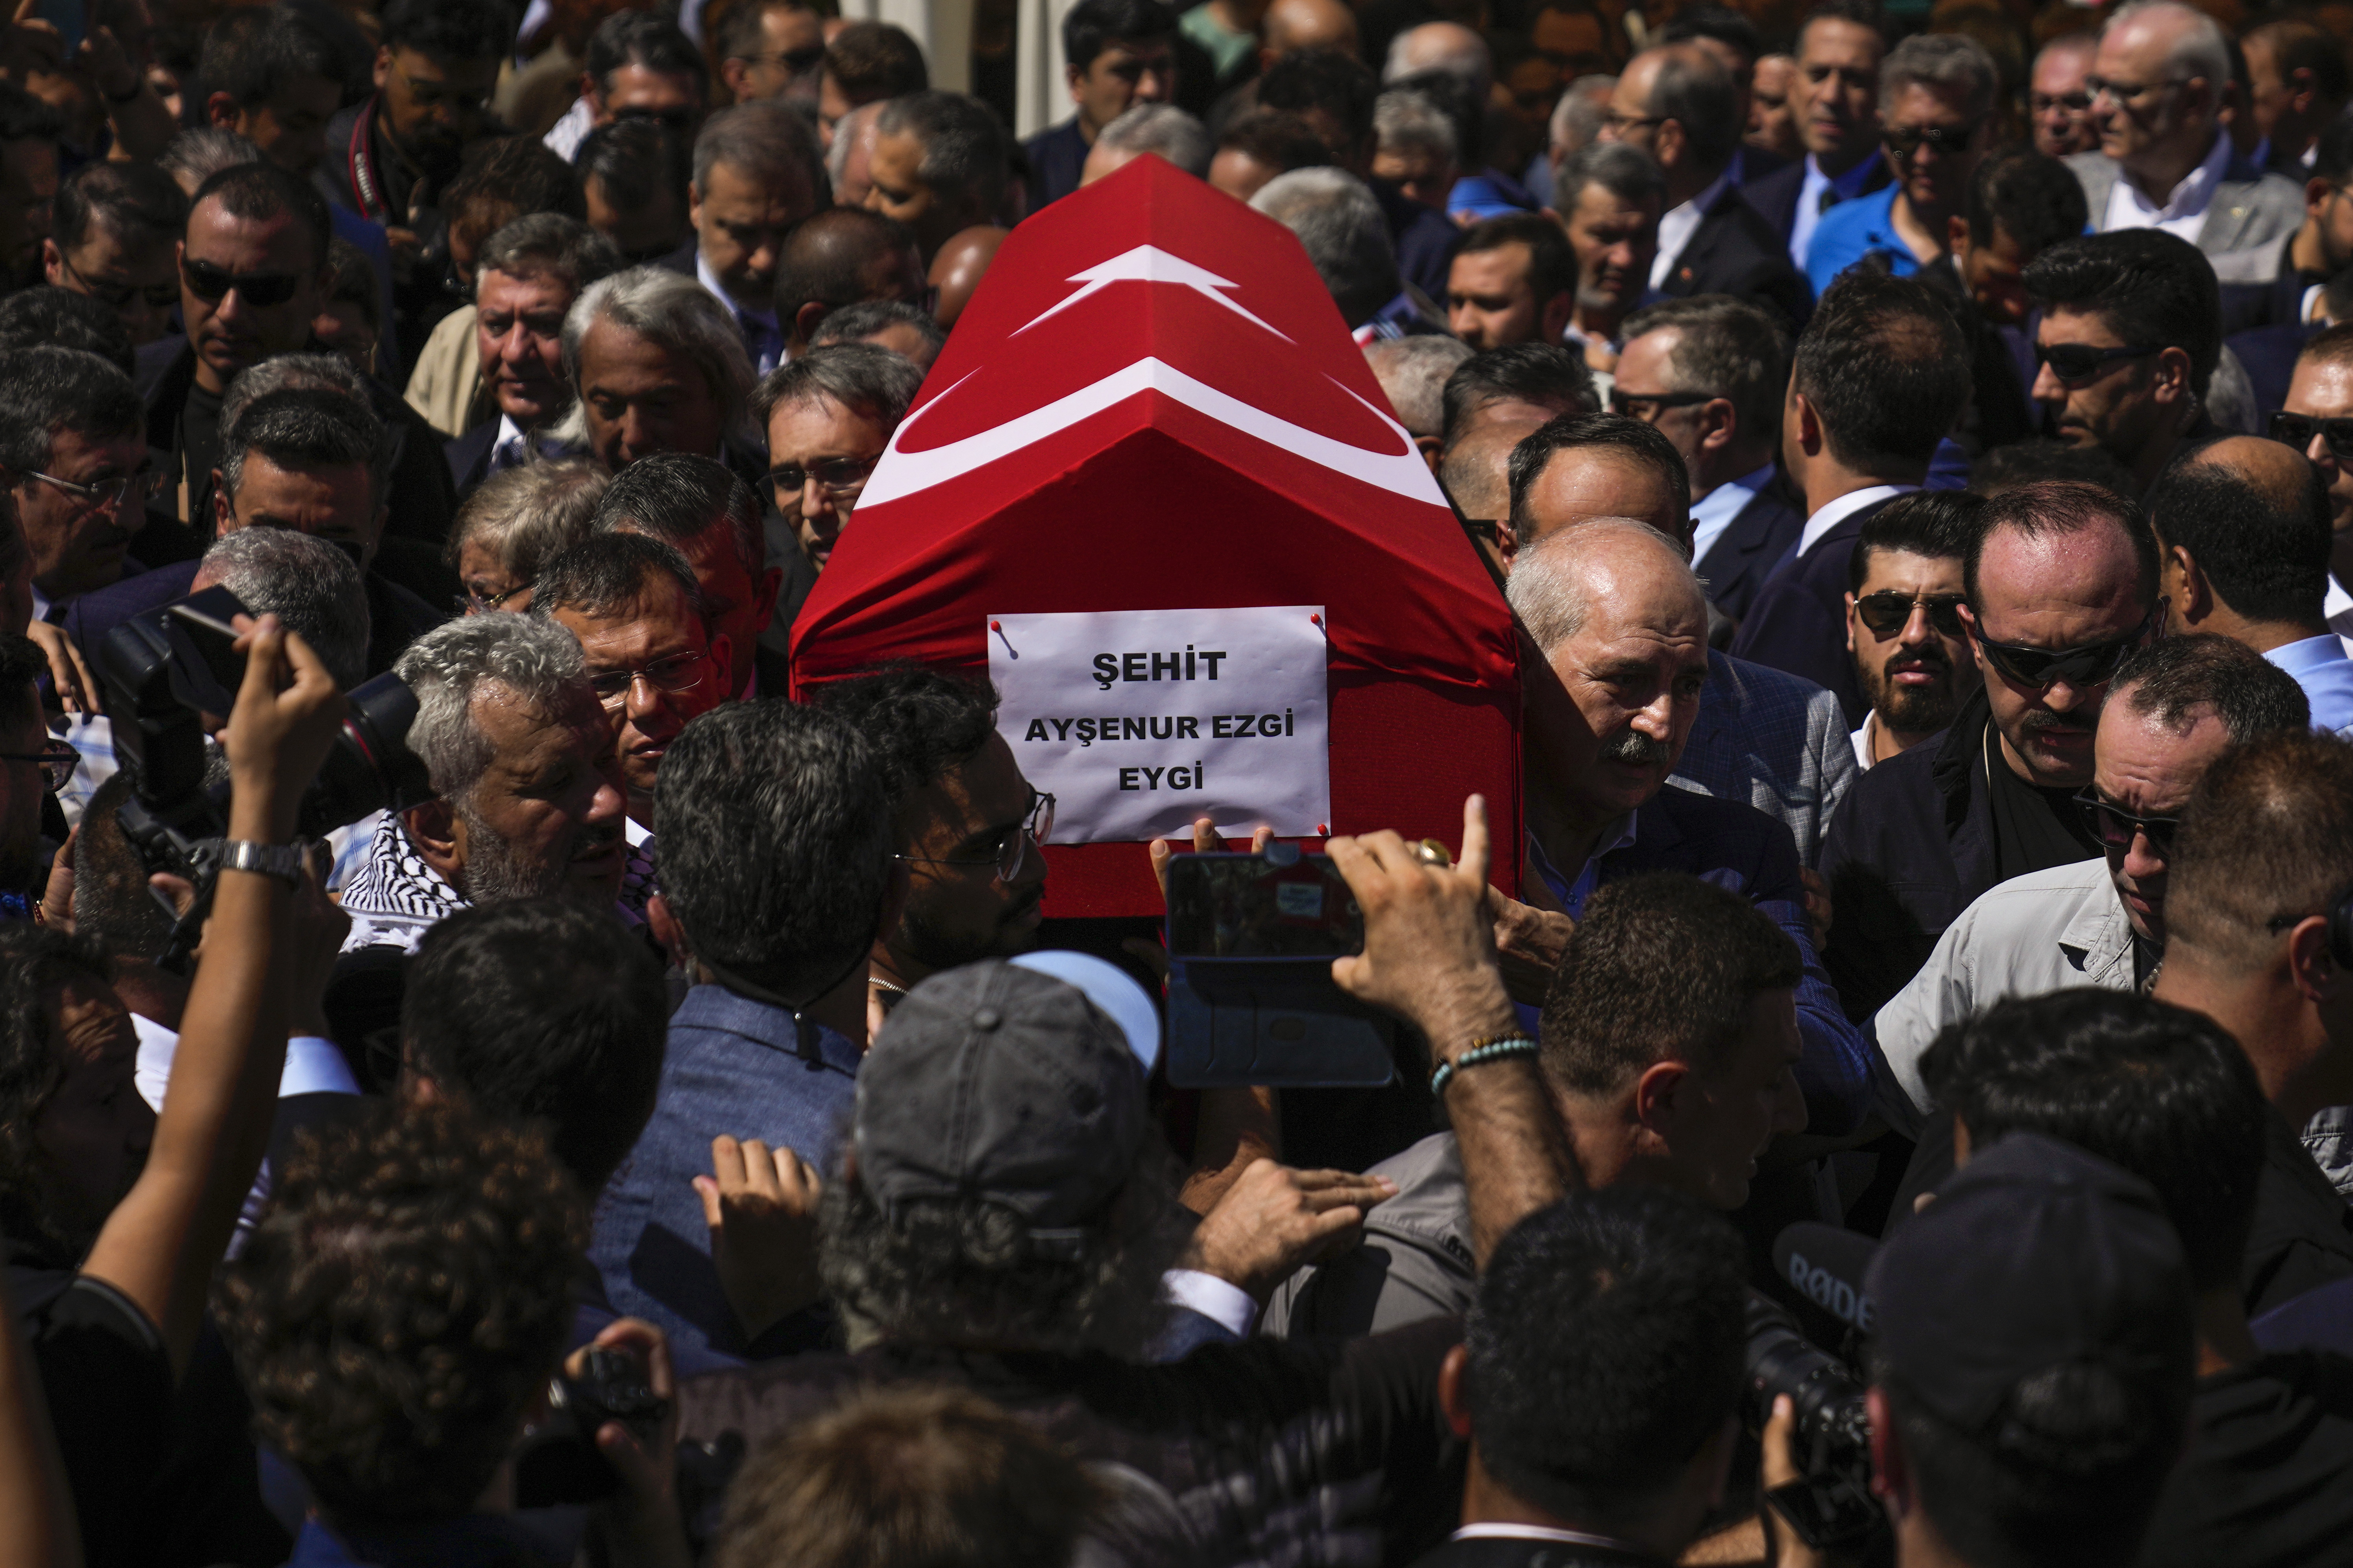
(395, 1319)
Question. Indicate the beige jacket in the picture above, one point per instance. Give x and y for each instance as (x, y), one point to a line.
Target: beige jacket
(446, 387)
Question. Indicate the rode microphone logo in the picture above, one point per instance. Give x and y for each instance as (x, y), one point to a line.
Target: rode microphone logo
(909, 466)
(1830, 1293)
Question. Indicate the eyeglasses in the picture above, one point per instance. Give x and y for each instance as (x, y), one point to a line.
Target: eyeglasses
(2043, 667)
(1944, 139)
(1648, 407)
(2126, 91)
(118, 296)
(2073, 363)
(1623, 123)
(1011, 853)
(2298, 430)
(106, 494)
(1887, 612)
(261, 289)
(2072, 103)
(681, 120)
(474, 599)
(2115, 827)
(56, 760)
(838, 478)
(677, 675)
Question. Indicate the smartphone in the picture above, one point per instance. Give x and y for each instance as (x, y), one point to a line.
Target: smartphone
(1283, 904)
(204, 644)
(69, 19)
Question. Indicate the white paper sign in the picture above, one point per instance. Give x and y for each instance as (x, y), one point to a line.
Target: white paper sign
(1139, 722)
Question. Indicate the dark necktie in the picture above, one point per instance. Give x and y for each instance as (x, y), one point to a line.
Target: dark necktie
(1829, 199)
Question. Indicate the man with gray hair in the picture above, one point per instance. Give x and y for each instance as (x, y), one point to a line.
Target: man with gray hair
(1339, 222)
(1414, 147)
(938, 167)
(2158, 84)
(526, 798)
(830, 416)
(1412, 373)
(1157, 128)
(1936, 96)
(757, 173)
(526, 277)
(660, 368)
(1681, 106)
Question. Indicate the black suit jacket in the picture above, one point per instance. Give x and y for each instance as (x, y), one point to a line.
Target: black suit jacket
(1797, 622)
(469, 455)
(1775, 195)
(1736, 251)
(681, 259)
(1752, 545)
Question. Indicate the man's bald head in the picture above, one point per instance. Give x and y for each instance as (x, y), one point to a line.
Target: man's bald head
(2245, 531)
(1293, 24)
(956, 270)
(1441, 46)
(844, 255)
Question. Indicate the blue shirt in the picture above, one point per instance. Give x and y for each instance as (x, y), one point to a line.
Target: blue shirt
(731, 1065)
(2320, 666)
(1852, 230)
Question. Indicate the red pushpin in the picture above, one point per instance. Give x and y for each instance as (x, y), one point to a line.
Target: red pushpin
(1323, 830)
(996, 625)
(1314, 617)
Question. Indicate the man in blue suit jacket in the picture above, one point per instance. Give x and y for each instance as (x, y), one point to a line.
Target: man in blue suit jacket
(1880, 374)
(1709, 375)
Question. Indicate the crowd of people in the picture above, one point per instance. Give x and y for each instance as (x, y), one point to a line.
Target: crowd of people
(650, 1115)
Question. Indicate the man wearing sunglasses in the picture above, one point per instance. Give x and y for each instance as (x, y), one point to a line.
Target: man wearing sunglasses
(2176, 706)
(2318, 422)
(2242, 533)
(2062, 584)
(117, 225)
(639, 67)
(1116, 53)
(2158, 84)
(772, 49)
(1937, 97)
(1903, 620)
(966, 823)
(2130, 334)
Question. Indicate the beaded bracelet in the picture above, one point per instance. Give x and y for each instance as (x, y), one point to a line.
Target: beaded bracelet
(1501, 1048)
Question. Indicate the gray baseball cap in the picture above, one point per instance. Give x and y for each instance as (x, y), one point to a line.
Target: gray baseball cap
(997, 1082)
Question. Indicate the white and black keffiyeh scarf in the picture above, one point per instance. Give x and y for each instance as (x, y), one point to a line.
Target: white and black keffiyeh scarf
(394, 897)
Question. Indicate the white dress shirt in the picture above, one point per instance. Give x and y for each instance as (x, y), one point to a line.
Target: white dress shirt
(1863, 734)
(1677, 228)
(1837, 511)
(2184, 212)
(1849, 186)
(2337, 609)
(1713, 512)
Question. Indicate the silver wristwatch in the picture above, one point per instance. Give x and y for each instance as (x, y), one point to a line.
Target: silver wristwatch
(283, 861)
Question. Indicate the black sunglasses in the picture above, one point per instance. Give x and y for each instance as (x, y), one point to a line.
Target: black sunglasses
(2073, 362)
(1946, 140)
(678, 119)
(2298, 429)
(1888, 613)
(2043, 667)
(212, 284)
(1650, 404)
(2115, 827)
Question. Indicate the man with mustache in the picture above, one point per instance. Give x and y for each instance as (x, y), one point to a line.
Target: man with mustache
(2060, 584)
(525, 277)
(1903, 620)
(526, 803)
(966, 823)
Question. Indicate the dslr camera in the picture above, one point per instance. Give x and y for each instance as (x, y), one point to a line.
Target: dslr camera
(1829, 1505)
(171, 675)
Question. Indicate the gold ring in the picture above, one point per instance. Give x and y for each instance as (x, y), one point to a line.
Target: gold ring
(1430, 852)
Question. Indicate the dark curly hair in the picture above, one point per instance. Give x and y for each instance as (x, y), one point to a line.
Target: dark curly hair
(35, 962)
(400, 1304)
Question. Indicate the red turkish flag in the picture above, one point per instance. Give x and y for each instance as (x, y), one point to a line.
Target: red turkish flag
(1152, 403)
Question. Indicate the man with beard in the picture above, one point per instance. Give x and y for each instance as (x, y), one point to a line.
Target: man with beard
(525, 802)
(389, 157)
(1903, 620)
(964, 823)
(2060, 584)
